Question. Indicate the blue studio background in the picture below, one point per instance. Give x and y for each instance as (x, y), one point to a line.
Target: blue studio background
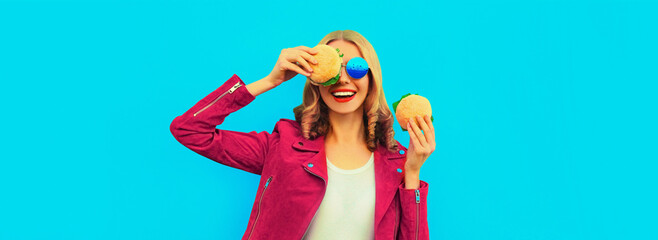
(545, 112)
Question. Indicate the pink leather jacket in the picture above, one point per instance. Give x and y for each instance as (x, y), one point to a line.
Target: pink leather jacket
(293, 171)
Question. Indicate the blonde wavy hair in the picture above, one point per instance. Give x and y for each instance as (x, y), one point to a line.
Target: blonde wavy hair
(313, 114)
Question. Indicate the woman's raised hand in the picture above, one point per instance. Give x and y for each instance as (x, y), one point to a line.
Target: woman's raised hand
(421, 144)
(292, 61)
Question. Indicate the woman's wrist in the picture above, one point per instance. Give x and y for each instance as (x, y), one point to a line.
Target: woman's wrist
(263, 85)
(271, 81)
(411, 179)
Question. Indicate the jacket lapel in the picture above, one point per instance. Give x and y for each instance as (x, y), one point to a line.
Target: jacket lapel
(317, 164)
(387, 175)
(387, 179)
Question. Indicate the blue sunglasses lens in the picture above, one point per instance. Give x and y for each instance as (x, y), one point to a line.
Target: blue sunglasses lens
(357, 67)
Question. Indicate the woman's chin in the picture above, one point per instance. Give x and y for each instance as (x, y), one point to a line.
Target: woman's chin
(344, 109)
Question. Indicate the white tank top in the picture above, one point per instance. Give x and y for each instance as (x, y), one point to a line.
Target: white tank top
(347, 210)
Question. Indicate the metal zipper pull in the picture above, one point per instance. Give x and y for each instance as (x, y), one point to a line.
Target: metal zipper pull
(417, 211)
(268, 181)
(259, 200)
(236, 86)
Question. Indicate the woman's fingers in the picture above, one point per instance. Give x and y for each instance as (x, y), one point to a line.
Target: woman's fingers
(303, 62)
(294, 67)
(419, 134)
(295, 60)
(422, 124)
(430, 133)
(295, 56)
(412, 134)
(309, 58)
(426, 130)
(308, 49)
(306, 52)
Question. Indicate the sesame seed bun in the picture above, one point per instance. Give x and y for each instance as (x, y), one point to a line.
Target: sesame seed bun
(327, 71)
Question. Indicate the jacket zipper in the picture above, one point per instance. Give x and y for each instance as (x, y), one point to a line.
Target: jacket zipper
(325, 183)
(417, 206)
(395, 224)
(258, 214)
(236, 86)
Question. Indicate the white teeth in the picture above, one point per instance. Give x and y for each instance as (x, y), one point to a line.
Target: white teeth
(343, 94)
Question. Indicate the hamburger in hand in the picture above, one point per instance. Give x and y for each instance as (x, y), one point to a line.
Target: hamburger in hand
(410, 106)
(327, 70)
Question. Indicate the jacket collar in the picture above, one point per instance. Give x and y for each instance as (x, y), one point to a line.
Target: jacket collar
(317, 144)
(389, 170)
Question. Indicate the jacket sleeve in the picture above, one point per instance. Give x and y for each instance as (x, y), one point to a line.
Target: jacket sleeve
(413, 219)
(195, 129)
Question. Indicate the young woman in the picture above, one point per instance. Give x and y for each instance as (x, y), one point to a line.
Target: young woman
(335, 172)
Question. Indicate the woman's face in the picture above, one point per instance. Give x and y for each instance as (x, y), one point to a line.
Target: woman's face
(346, 83)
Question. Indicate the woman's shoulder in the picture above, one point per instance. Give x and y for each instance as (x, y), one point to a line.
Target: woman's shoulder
(288, 132)
(287, 127)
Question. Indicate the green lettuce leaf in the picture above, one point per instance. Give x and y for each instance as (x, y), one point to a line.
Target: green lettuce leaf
(395, 104)
(337, 77)
(332, 81)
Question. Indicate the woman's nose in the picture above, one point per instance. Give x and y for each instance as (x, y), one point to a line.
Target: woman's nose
(344, 78)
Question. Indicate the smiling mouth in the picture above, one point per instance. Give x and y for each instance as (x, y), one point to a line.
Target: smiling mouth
(343, 96)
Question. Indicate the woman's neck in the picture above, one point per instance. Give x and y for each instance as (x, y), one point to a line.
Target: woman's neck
(346, 128)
